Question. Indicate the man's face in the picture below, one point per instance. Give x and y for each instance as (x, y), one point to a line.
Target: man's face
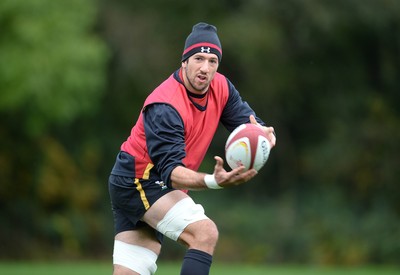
(198, 71)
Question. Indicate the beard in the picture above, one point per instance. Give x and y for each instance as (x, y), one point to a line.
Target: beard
(201, 87)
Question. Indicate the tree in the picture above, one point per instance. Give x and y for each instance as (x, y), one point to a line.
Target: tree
(52, 62)
(52, 72)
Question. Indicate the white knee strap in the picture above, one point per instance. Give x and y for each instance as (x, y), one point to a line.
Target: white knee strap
(182, 214)
(136, 258)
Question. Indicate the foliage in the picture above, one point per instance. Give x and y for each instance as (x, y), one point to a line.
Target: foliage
(52, 73)
(52, 65)
(320, 227)
(325, 74)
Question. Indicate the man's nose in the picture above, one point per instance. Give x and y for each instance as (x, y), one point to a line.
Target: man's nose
(205, 67)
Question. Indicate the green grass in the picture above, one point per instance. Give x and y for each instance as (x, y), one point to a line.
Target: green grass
(101, 268)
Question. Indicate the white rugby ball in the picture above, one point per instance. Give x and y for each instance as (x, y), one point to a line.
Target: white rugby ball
(247, 146)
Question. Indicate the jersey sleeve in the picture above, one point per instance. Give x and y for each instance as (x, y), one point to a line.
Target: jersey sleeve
(165, 139)
(236, 110)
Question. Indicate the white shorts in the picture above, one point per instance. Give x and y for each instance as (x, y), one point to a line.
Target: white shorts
(183, 213)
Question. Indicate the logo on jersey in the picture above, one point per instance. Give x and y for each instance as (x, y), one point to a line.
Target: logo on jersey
(162, 184)
(205, 49)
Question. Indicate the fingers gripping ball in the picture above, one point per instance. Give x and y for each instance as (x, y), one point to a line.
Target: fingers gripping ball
(247, 146)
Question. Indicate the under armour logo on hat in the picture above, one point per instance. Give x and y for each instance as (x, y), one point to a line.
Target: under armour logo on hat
(204, 50)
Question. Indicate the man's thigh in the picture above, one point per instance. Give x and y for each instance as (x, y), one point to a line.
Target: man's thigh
(173, 213)
(144, 236)
(160, 208)
(136, 251)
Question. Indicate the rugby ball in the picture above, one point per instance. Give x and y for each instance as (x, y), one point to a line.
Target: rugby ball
(247, 146)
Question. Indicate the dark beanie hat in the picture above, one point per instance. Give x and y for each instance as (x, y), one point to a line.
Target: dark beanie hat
(204, 39)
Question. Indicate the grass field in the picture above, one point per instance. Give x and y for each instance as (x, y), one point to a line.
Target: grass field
(101, 268)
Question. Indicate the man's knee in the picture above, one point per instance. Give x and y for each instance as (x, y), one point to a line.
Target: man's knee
(202, 235)
(207, 232)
